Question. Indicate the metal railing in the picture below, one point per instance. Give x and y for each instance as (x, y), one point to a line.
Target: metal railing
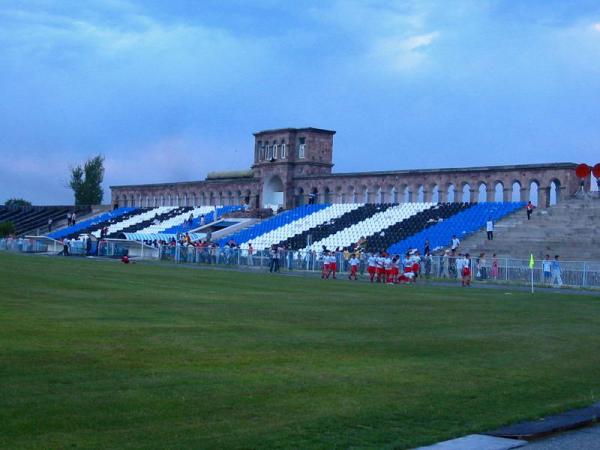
(488, 270)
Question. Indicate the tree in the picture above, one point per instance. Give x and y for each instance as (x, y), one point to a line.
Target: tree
(6, 228)
(86, 182)
(16, 202)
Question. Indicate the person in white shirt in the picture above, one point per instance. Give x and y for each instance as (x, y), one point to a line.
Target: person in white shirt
(489, 227)
(380, 268)
(372, 266)
(387, 264)
(455, 243)
(353, 267)
(547, 269)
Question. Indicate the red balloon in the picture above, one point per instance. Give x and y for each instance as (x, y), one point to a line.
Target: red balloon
(583, 171)
(596, 170)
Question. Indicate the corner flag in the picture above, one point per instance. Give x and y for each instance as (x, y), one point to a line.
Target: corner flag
(531, 264)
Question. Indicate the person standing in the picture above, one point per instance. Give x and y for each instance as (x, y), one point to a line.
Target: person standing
(426, 247)
(427, 262)
(529, 208)
(466, 271)
(50, 224)
(489, 227)
(555, 268)
(482, 267)
(66, 246)
(250, 254)
(455, 243)
(73, 218)
(353, 261)
(445, 265)
(547, 269)
(495, 267)
(68, 219)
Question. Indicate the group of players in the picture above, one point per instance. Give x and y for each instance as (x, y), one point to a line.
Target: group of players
(381, 267)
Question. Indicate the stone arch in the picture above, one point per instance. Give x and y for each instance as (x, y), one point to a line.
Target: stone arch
(394, 196)
(516, 191)
(313, 196)
(482, 192)
(327, 195)
(364, 194)
(555, 191)
(273, 193)
(499, 191)
(379, 194)
(339, 195)
(407, 194)
(211, 199)
(420, 193)
(434, 190)
(451, 193)
(465, 192)
(534, 192)
(351, 194)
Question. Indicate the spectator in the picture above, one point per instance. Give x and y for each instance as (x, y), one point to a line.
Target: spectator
(547, 269)
(529, 208)
(66, 246)
(489, 227)
(50, 224)
(427, 260)
(494, 266)
(556, 276)
(427, 247)
(455, 243)
(250, 254)
(73, 218)
(445, 265)
(482, 267)
(466, 271)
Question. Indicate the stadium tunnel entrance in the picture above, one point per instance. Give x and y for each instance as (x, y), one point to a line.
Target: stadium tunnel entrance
(273, 195)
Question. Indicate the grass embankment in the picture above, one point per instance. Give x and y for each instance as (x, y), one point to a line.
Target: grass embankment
(97, 354)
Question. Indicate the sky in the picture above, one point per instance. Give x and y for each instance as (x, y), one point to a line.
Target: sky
(169, 91)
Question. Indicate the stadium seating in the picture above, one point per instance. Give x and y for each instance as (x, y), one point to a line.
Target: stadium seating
(287, 217)
(326, 215)
(133, 219)
(159, 217)
(460, 224)
(34, 219)
(322, 230)
(370, 226)
(401, 230)
(93, 224)
(208, 212)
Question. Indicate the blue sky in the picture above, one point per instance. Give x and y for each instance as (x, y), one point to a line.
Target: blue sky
(168, 91)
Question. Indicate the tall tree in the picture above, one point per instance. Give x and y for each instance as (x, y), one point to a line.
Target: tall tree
(16, 202)
(86, 181)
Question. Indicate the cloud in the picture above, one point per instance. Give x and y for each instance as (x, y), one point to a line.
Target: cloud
(402, 54)
(596, 27)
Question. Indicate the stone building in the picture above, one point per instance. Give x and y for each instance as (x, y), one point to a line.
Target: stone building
(293, 166)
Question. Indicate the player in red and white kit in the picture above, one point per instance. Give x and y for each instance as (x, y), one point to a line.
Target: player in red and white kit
(332, 265)
(372, 266)
(387, 264)
(353, 267)
(381, 268)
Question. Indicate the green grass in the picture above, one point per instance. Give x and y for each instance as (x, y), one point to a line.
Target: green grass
(96, 354)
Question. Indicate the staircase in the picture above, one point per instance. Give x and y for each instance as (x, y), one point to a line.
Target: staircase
(570, 229)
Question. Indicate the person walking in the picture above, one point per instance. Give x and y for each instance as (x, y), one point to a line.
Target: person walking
(529, 208)
(489, 227)
(556, 275)
(547, 269)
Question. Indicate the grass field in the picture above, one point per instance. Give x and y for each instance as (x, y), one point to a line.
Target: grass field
(96, 354)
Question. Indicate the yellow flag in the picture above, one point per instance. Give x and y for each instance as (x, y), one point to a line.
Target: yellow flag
(531, 262)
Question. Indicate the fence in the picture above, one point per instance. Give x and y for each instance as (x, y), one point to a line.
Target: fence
(572, 273)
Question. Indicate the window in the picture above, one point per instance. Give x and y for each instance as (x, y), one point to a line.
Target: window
(301, 148)
(282, 150)
(269, 151)
(262, 152)
(275, 151)
(257, 150)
